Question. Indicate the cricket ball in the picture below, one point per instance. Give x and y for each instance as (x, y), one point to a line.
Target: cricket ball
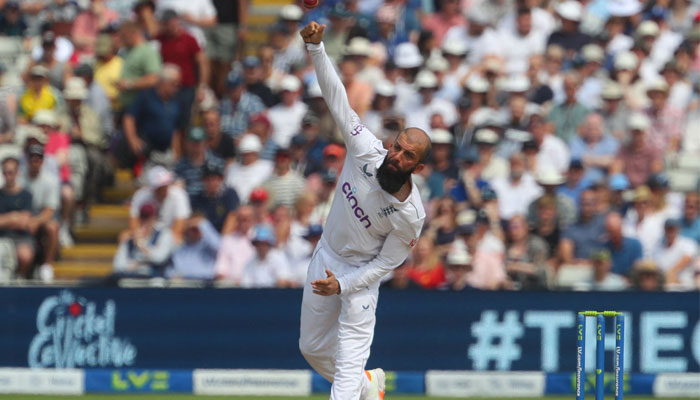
(311, 4)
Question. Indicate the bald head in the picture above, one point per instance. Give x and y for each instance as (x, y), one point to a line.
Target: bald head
(418, 138)
(613, 225)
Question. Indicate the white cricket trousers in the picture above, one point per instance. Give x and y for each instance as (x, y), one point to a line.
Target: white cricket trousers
(337, 331)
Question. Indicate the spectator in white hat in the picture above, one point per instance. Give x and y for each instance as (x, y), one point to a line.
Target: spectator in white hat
(542, 20)
(666, 121)
(408, 60)
(638, 159)
(287, 115)
(420, 115)
(382, 105)
(172, 206)
(614, 110)
(680, 89)
(248, 171)
(552, 152)
(569, 36)
(289, 48)
(481, 39)
(444, 169)
(363, 53)
(521, 43)
(492, 166)
(592, 57)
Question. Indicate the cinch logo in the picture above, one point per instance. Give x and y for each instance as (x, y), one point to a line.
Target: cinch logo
(348, 191)
(73, 333)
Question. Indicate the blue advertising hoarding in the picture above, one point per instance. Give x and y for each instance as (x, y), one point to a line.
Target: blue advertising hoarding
(172, 329)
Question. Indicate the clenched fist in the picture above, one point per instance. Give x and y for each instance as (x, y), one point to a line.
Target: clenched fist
(312, 33)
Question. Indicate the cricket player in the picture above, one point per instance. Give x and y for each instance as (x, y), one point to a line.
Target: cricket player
(374, 222)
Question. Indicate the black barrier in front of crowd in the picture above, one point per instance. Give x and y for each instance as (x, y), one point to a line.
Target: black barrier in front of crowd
(416, 330)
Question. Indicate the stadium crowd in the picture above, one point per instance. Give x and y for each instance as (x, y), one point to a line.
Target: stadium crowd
(566, 137)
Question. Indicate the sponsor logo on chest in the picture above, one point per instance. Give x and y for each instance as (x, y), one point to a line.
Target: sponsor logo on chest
(349, 193)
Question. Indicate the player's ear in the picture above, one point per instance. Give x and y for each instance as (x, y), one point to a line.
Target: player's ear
(419, 168)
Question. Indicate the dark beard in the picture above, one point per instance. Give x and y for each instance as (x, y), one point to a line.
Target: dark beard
(392, 181)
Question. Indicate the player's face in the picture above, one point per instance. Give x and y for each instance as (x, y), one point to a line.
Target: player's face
(403, 156)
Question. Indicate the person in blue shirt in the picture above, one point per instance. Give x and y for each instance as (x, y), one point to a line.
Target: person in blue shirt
(690, 223)
(196, 257)
(594, 148)
(150, 122)
(190, 168)
(585, 236)
(575, 182)
(216, 202)
(624, 251)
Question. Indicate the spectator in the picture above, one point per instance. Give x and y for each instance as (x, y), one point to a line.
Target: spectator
(618, 184)
(172, 207)
(488, 265)
(457, 269)
(548, 227)
(57, 67)
(584, 237)
(15, 216)
(420, 114)
(642, 223)
(144, 12)
(179, 48)
(567, 116)
(516, 192)
(72, 165)
(89, 23)
(647, 277)
(550, 180)
(261, 212)
(569, 37)
(674, 255)
(195, 258)
(253, 76)
(108, 68)
(286, 117)
(441, 21)
(614, 111)
(594, 148)
(662, 200)
(145, 250)
(196, 16)
(236, 249)
(552, 152)
(225, 39)
(680, 90)
(575, 184)
(638, 160)
(218, 144)
(250, 171)
(359, 91)
(288, 44)
(603, 279)
(665, 120)
(492, 166)
(83, 124)
(260, 126)
(317, 104)
(238, 106)
(361, 51)
(333, 158)
(325, 196)
(268, 268)
(45, 192)
(141, 65)
(526, 257)
(39, 95)
(298, 269)
(216, 202)
(443, 168)
(471, 184)
(190, 168)
(690, 223)
(624, 251)
(11, 20)
(313, 144)
(96, 97)
(151, 122)
(425, 268)
(521, 43)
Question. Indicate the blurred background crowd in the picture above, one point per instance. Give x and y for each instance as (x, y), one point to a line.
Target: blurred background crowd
(566, 137)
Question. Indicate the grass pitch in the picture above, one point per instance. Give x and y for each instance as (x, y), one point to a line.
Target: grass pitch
(314, 397)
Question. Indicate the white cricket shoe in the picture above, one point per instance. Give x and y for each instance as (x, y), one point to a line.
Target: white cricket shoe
(377, 384)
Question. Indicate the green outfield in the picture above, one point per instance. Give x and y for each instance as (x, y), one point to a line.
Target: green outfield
(315, 397)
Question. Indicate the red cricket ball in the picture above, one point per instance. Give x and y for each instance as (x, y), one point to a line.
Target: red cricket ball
(311, 4)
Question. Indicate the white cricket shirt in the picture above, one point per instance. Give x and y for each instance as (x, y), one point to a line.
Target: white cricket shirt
(366, 227)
